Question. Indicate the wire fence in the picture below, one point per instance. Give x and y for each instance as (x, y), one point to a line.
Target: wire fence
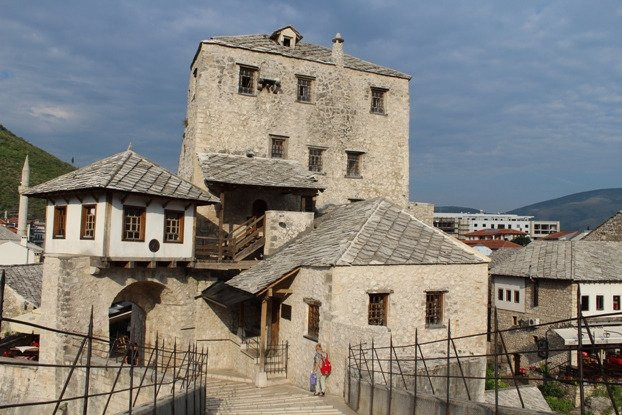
(158, 369)
(447, 367)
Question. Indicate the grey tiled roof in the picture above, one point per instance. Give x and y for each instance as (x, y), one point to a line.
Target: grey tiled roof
(302, 50)
(564, 260)
(370, 232)
(128, 172)
(256, 171)
(26, 280)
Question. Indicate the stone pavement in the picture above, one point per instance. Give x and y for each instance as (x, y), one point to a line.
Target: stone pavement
(225, 396)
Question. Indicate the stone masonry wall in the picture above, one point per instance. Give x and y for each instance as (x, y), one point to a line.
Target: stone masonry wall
(422, 211)
(610, 230)
(338, 118)
(343, 312)
(556, 301)
(282, 227)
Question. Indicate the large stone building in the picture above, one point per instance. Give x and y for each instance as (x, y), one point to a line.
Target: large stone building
(343, 120)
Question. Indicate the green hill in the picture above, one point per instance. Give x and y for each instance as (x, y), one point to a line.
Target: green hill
(455, 209)
(43, 167)
(578, 211)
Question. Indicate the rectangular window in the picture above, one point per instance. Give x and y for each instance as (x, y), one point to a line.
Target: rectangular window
(600, 302)
(377, 100)
(247, 80)
(277, 149)
(377, 310)
(315, 159)
(508, 295)
(173, 226)
(434, 307)
(87, 226)
(500, 294)
(536, 294)
(286, 311)
(353, 166)
(60, 222)
(313, 321)
(304, 89)
(616, 302)
(585, 303)
(133, 223)
(516, 296)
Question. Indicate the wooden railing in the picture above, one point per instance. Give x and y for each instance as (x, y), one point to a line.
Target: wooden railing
(242, 241)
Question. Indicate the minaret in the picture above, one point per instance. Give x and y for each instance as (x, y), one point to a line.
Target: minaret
(22, 218)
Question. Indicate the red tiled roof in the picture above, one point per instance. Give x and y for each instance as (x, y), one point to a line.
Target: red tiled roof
(494, 244)
(490, 232)
(556, 235)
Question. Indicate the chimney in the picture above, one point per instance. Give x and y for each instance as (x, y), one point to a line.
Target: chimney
(337, 52)
(22, 218)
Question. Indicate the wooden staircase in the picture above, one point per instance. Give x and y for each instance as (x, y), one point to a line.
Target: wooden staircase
(243, 241)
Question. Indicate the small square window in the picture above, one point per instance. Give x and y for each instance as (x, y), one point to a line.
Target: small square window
(616, 302)
(246, 83)
(585, 303)
(133, 223)
(377, 309)
(277, 148)
(304, 89)
(377, 100)
(286, 311)
(353, 166)
(434, 307)
(173, 226)
(87, 227)
(60, 222)
(287, 41)
(315, 159)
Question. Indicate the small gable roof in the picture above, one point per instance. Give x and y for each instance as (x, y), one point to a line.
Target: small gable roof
(126, 172)
(371, 232)
(26, 280)
(276, 33)
(583, 261)
(256, 171)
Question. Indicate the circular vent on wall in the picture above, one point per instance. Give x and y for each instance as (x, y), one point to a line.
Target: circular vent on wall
(154, 245)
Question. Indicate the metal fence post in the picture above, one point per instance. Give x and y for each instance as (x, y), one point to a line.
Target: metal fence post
(496, 363)
(415, 386)
(390, 374)
(349, 375)
(2, 278)
(580, 350)
(131, 359)
(448, 368)
(358, 391)
(89, 350)
(373, 380)
(155, 373)
(174, 373)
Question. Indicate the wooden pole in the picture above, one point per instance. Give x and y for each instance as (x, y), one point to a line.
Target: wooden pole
(2, 278)
(221, 219)
(580, 350)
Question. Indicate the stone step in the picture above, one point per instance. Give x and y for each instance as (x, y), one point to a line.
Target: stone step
(272, 404)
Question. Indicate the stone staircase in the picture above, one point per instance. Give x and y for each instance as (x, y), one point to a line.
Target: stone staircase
(235, 397)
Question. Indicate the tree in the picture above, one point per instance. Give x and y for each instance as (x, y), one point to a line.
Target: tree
(522, 240)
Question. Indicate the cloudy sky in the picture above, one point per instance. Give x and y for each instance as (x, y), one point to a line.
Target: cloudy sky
(512, 102)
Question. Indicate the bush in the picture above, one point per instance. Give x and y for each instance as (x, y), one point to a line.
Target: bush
(552, 389)
(559, 404)
(490, 379)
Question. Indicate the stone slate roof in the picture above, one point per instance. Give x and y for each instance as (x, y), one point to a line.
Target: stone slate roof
(256, 171)
(371, 232)
(26, 280)
(302, 50)
(583, 261)
(127, 172)
(609, 230)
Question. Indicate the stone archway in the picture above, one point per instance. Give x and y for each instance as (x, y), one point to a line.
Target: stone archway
(129, 315)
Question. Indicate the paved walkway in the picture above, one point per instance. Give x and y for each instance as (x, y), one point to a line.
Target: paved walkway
(509, 397)
(230, 397)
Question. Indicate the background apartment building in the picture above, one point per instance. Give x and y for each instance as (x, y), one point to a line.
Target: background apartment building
(459, 224)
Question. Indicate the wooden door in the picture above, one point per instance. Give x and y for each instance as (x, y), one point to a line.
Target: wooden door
(275, 318)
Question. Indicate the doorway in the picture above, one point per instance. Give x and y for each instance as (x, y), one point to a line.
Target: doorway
(275, 318)
(126, 325)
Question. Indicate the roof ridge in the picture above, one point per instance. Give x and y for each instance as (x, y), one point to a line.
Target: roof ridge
(358, 233)
(127, 154)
